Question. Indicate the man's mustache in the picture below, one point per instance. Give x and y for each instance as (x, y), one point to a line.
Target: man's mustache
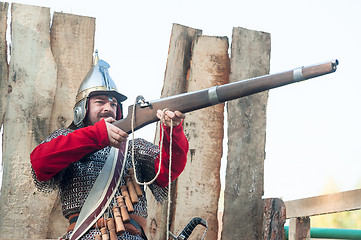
(106, 115)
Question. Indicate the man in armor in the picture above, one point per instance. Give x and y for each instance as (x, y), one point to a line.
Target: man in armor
(70, 159)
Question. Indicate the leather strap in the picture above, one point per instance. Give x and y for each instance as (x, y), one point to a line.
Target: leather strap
(102, 192)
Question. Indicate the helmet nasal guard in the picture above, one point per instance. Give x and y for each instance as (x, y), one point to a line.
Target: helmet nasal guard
(96, 82)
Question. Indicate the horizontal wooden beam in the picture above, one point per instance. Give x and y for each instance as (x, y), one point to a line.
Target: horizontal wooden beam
(324, 204)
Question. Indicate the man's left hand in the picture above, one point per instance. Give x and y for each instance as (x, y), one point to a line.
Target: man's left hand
(176, 116)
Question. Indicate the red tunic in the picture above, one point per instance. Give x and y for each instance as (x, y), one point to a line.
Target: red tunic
(49, 158)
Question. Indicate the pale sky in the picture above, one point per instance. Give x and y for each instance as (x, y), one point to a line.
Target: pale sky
(312, 127)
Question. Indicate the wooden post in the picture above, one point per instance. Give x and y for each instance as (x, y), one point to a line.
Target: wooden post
(24, 211)
(274, 218)
(72, 45)
(199, 185)
(243, 205)
(41, 97)
(178, 64)
(299, 229)
(4, 68)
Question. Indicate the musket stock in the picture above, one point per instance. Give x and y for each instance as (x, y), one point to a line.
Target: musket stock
(145, 112)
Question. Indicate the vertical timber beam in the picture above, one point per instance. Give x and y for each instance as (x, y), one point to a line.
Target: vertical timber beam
(4, 67)
(72, 45)
(199, 185)
(179, 59)
(299, 229)
(243, 206)
(274, 218)
(32, 79)
(178, 63)
(40, 96)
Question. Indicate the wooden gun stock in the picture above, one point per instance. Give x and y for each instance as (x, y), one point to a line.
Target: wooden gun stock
(145, 112)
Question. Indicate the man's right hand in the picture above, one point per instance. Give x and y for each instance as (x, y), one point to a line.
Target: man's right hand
(115, 134)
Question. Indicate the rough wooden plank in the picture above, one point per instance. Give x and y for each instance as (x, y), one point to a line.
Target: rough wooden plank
(274, 218)
(33, 80)
(4, 68)
(299, 229)
(243, 206)
(72, 44)
(325, 204)
(179, 57)
(178, 64)
(199, 185)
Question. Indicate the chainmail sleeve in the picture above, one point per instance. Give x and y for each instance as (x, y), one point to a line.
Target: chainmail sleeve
(145, 154)
(52, 184)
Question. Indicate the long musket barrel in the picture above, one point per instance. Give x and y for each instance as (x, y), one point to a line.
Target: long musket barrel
(145, 112)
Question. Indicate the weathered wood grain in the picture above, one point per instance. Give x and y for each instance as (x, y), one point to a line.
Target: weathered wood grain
(72, 44)
(243, 205)
(178, 64)
(41, 99)
(274, 219)
(32, 79)
(324, 204)
(198, 188)
(4, 68)
(299, 229)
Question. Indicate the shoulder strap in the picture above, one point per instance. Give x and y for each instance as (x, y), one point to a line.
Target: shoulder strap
(102, 192)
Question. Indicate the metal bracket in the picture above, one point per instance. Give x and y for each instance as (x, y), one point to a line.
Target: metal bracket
(212, 95)
(298, 75)
(141, 102)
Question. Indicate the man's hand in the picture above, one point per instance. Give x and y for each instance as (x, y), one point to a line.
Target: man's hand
(176, 116)
(115, 134)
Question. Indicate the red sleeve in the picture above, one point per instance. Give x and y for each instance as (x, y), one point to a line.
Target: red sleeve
(51, 157)
(179, 155)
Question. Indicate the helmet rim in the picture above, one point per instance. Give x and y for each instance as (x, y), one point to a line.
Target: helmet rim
(96, 82)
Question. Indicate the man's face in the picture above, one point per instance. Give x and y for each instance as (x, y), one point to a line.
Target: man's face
(101, 107)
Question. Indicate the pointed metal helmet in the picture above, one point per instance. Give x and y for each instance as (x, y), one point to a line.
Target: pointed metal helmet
(96, 82)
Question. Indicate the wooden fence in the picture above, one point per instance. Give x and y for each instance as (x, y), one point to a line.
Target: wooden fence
(38, 87)
(37, 95)
(37, 92)
(299, 211)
